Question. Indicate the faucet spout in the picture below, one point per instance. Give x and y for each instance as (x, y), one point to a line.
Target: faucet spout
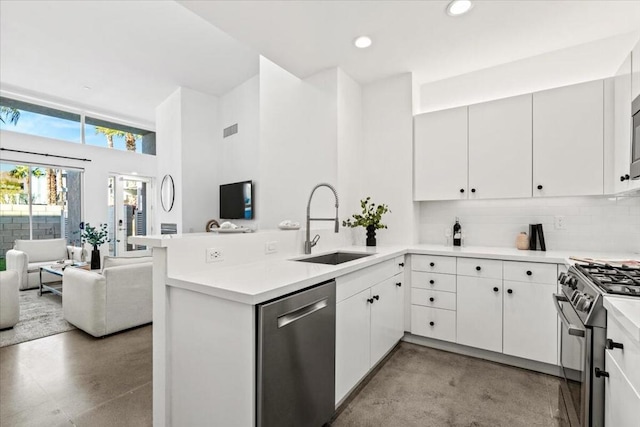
(308, 243)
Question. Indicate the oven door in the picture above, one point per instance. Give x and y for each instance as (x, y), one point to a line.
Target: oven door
(574, 342)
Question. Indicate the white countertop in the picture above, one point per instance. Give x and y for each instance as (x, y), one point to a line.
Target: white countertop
(626, 311)
(256, 282)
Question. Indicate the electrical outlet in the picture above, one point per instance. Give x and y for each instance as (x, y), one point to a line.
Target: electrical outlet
(271, 247)
(559, 222)
(213, 255)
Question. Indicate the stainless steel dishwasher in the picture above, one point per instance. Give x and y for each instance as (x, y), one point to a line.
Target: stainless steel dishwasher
(296, 358)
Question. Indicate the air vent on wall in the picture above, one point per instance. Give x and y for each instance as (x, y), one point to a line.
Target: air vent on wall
(230, 130)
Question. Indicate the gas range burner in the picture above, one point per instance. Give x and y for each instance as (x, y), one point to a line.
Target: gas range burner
(613, 280)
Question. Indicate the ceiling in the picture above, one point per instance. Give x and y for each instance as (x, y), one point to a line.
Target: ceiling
(418, 36)
(134, 54)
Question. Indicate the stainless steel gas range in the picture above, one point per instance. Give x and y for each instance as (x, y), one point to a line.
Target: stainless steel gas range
(583, 338)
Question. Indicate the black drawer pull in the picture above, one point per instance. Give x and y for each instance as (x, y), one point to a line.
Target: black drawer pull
(432, 282)
(529, 272)
(376, 297)
(432, 299)
(370, 300)
(431, 323)
(495, 289)
(611, 344)
(509, 291)
(601, 373)
(432, 264)
(401, 264)
(399, 284)
(478, 268)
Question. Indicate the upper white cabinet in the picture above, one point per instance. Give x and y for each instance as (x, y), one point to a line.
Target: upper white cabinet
(440, 155)
(500, 148)
(568, 144)
(635, 68)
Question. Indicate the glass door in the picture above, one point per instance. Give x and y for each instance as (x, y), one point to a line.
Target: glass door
(129, 214)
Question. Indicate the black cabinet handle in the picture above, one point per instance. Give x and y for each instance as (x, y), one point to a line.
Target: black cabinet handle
(473, 190)
(509, 291)
(611, 344)
(432, 264)
(462, 190)
(432, 299)
(401, 264)
(370, 300)
(432, 282)
(399, 284)
(495, 289)
(529, 272)
(624, 177)
(539, 187)
(601, 373)
(376, 297)
(431, 323)
(478, 268)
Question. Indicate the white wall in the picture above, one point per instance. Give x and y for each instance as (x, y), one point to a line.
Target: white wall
(104, 161)
(554, 69)
(297, 145)
(387, 153)
(592, 223)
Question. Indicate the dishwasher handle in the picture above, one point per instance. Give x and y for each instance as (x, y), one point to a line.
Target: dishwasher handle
(301, 312)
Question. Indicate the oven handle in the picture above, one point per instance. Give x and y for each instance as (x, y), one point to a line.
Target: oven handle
(573, 329)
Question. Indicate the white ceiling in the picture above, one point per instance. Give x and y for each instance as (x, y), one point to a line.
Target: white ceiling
(133, 54)
(418, 36)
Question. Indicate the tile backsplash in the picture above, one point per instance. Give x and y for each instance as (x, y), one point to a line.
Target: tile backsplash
(597, 223)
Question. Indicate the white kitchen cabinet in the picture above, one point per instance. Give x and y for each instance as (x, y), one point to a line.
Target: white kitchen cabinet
(530, 321)
(353, 340)
(622, 130)
(369, 320)
(433, 323)
(621, 400)
(500, 150)
(635, 68)
(387, 317)
(440, 155)
(479, 313)
(568, 127)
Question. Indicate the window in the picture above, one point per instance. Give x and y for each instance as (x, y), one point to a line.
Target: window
(32, 119)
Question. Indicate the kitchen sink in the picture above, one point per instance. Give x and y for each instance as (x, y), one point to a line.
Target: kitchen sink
(334, 258)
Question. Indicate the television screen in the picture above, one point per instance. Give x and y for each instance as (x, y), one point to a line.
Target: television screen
(236, 200)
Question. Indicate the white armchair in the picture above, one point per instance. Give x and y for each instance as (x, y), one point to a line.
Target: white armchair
(101, 304)
(27, 256)
(9, 299)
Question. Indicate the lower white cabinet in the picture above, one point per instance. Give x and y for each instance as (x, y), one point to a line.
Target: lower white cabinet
(479, 313)
(621, 401)
(434, 323)
(368, 325)
(530, 321)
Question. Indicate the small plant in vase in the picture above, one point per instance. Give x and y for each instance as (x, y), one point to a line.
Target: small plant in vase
(95, 236)
(370, 219)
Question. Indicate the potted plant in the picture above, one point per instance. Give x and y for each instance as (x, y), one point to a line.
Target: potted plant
(95, 236)
(370, 219)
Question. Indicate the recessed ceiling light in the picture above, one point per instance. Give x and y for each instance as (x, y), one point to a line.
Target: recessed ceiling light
(362, 42)
(459, 7)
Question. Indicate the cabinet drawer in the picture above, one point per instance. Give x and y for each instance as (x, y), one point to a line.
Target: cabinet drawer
(627, 358)
(476, 267)
(621, 400)
(533, 272)
(433, 323)
(434, 263)
(353, 283)
(435, 281)
(435, 299)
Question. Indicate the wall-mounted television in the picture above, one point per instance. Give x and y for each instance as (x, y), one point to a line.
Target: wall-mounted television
(236, 200)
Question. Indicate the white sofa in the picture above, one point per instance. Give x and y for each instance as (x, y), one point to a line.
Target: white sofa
(119, 298)
(27, 256)
(9, 299)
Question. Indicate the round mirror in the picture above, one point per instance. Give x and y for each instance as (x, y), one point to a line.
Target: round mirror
(167, 193)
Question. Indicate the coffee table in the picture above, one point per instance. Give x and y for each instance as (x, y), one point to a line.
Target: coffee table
(57, 270)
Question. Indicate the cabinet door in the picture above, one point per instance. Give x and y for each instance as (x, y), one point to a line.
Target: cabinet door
(530, 322)
(352, 341)
(387, 317)
(621, 401)
(568, 140)
(500, 151)
(622, 127)
(479, 313)
(440, 155)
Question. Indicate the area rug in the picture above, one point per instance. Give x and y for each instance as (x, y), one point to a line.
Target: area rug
(39, 317)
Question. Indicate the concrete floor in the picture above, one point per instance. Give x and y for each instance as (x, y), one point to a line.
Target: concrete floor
(73, 379)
